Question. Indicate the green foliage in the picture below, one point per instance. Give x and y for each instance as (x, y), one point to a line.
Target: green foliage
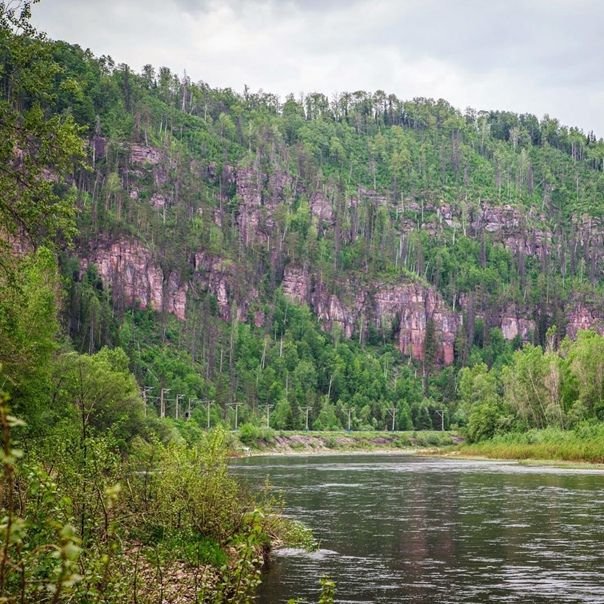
(249, 434)
(585, 370)
(484, 421)
(102, 393)
(293, 533)
(28, 330)
(584, 443)
(73, 529)
(105, 485)
(328, 591)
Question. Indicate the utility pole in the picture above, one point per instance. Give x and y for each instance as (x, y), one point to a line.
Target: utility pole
(306, 410)
(268, 414)
(189, 408)
(146, 391)
(162, 402)
(177, 400)
(349, 417)
(393, 413)
(441, 412)
(236, 405)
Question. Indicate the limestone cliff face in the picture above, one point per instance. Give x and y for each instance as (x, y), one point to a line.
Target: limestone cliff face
(136, 278)
(414, 312)
(514, 324)
(225, 281)
(259, 195)
(584, 316)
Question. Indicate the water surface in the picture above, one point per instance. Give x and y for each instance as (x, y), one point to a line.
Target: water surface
(408, 529)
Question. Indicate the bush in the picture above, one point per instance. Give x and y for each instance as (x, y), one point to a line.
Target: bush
(254, 436)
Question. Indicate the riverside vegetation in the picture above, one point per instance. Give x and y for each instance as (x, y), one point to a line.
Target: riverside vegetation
(365, 257)
(100, 501)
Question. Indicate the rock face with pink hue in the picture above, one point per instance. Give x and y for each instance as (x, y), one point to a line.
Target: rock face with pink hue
(224, 280)
(152, 160)
(420, 313)
(513, 324)
(581, 316)
(158, 201)
(343, 311)
(296, 284)
(413, 311)
(136, 278)
(259, 195)
(141, 154)
(414, 314)
(320, 207)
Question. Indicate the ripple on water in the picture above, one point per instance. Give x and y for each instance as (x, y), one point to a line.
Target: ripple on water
(408, 530)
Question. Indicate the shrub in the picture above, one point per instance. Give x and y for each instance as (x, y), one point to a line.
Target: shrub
(253, 436)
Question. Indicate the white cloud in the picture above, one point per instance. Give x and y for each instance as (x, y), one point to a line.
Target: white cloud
(538, 56)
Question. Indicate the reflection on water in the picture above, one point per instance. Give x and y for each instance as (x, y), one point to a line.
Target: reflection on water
(401, 529)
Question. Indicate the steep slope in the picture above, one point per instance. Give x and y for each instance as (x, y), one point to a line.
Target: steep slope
(402, 223)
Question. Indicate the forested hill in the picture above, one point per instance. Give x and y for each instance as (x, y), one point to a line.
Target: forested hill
(332, 253)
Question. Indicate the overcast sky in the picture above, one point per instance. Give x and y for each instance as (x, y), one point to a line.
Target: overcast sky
(537, 56)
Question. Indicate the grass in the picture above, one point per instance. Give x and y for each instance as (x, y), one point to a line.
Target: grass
(583, 444)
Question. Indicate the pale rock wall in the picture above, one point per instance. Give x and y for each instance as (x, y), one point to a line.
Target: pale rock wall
(409, 305)
(136, 278)
(582, 316)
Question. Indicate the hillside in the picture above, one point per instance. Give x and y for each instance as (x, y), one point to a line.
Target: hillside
(351, 253)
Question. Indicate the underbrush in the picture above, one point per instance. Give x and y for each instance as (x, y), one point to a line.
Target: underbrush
(256, 436)
(584, 443)
(84, 522)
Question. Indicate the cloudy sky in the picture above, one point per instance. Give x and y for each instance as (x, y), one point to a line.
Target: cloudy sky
(537, 56)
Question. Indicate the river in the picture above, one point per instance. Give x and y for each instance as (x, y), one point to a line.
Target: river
(410, 529)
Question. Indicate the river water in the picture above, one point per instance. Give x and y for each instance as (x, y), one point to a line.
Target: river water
(412, 529)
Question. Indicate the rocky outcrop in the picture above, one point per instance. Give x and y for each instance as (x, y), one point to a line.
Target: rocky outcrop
(320, 207)
(158, 201)
(514, 325)
(522, 231)
(296, 284)
(344, 310)
(143, 158)
(412, 313)
(142, 154)
(421, 314)
(519, 231)
(224, 280)
(581, 316)
(259, 195)
(415, 313)
(136, 278)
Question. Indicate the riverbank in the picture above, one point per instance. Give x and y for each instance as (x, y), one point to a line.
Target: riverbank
(262, 441)
(551, 446)
(584, 445)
